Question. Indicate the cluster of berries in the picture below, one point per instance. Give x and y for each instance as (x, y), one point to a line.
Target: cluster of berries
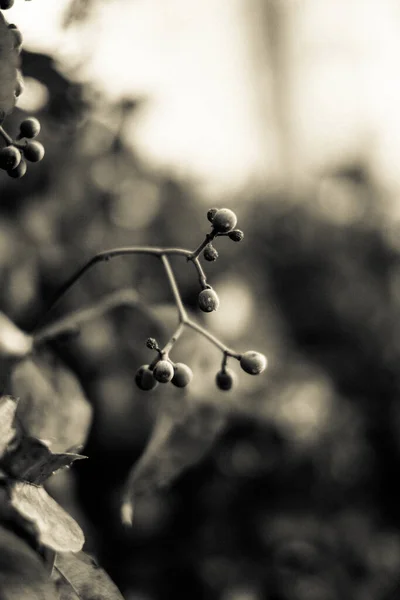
(14, 156)
(162, 369)
(223, 222)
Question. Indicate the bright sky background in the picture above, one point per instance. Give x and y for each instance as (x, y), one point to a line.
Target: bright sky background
(211, 113)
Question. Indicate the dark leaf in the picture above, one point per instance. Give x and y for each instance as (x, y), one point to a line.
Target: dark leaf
(81, 575)
(52, 405)
(22, 573)
(33, 462)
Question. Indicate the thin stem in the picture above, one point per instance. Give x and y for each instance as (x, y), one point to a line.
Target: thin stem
(174, 338)
(105, 256)
(209, 237)
(174, 288)
(227, 351)
(69, 323)
(6, 137)
(202, 275)
(68, 582)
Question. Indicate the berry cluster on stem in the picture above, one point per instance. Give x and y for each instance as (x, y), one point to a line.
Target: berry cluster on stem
(162, 369)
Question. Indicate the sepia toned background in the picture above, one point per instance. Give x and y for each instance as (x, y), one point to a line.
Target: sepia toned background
(285, 111)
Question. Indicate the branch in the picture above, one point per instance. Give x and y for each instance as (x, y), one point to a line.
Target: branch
(128, 297)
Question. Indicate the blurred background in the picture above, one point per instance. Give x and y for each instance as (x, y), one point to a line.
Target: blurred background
(285, 111)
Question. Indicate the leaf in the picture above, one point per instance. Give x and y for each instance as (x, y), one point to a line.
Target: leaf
(22, 574)
(13, 341)
(56, 529)
(89, 581)
(33, 462)
(183, 433)
(8, 407)
(52, 405)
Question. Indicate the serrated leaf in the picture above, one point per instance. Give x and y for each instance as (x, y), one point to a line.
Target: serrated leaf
(87, 579)
(56, 529)
(52, 405)
(183, 433)
(22, 574)
(33, 462)
(8, 406)
(13, 341)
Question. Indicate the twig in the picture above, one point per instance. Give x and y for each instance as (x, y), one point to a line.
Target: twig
(69, 323)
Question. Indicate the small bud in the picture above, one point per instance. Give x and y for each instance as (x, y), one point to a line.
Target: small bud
(236, 235)
(211, 214)
(151, 343)
(210, 253)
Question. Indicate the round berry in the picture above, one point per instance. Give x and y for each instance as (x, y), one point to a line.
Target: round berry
(210, 253)
(236, 235)
(144, 378)
(183, 375)
(208, 300)
(5, 4)
(34, 151)
(19, 171)
(163, 371)
(10, 157)
(211, 214)
(225, 379)
(224, 220)
(29, 128)
(253, 362)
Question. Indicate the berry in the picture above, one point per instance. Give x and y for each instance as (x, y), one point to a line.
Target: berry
(151, 343)
(224, 220)
(19, 171)
(163, 371)
(10, 157)
(5, 4)
(210, 253)
(211, 214)
(236, 235)
(144, 378)
(29, 128)
(34, 151)
(183, 375)
(208, 300)
(253, 362)
(225, 379)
